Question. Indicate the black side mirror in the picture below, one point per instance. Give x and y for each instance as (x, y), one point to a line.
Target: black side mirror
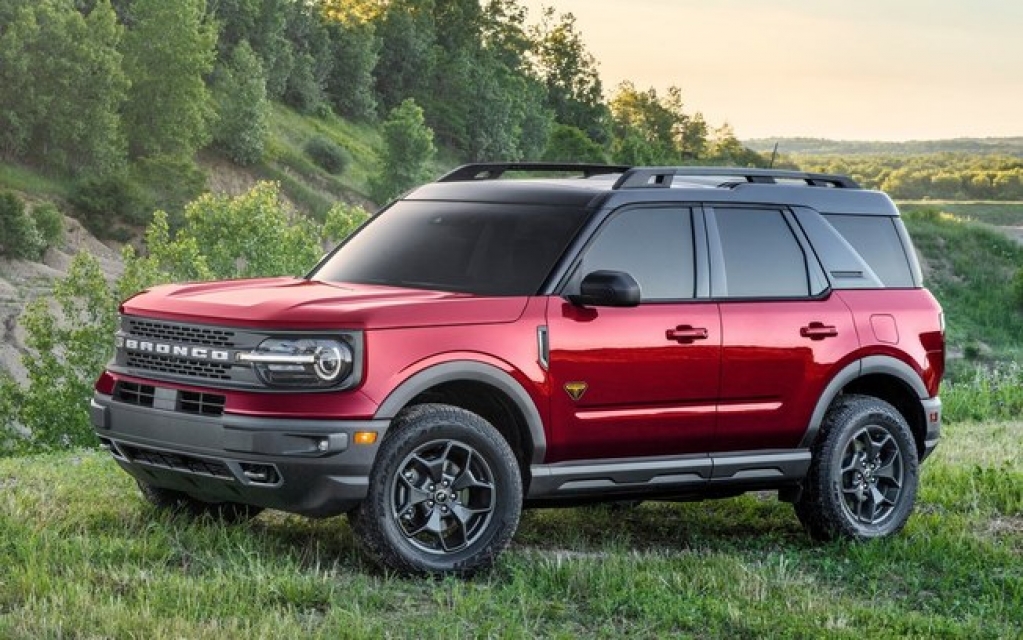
(607, 289)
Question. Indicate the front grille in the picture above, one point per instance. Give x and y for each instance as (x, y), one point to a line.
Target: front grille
(206, 404)
(176, 461)
(179, 366)
(138, 394)
(185, 334)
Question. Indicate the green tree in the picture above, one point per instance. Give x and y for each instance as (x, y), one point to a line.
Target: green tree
(243, 110)
(19, 237)
(407, 154)
(62, 87)
(407, 55)
(350, 84)
(569, 71)
(167, 55)
(568, 144)
(49, 223)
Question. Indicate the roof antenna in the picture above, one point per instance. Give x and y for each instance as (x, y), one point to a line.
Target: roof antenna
(774, 154)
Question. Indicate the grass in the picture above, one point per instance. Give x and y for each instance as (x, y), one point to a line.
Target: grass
(998, 213)
(31, 182)
(82, 556)
(970, 267)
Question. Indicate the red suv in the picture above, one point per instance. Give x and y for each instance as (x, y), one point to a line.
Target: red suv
(597, 333)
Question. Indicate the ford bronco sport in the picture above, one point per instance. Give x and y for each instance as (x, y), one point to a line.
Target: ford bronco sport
(584, 333)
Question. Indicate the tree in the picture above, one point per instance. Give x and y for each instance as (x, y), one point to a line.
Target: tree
(568, 144)
(239, 89)
(569, 71)
(407, 55)
(167, 54)
(62, 87)
(19, 237)
(407, 154)
(350, 84)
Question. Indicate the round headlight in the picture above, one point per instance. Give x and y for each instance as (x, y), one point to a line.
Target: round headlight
(329, 363)
(304, 362)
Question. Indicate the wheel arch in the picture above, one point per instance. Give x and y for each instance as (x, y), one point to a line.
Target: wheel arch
(883, 377)
(483, 389)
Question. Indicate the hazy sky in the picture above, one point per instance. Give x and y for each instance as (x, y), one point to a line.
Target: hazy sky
(858, 69)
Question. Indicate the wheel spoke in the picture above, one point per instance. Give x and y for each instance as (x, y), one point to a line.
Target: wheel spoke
(432, 469)
(415, 495)
(887, 473)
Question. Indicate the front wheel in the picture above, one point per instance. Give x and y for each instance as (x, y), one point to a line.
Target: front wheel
(863, 479)
(445, 494)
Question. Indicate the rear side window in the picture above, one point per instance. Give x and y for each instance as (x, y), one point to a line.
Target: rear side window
(762, 258)
(876, 239)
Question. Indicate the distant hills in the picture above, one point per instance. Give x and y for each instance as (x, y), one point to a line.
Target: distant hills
(821, 146)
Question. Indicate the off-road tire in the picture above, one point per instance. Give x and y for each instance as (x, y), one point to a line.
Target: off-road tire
(445, 494)
(180, 502)
(863, 478)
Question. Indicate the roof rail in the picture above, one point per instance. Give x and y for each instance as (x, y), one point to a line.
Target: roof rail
(494, 170)
(661, 177)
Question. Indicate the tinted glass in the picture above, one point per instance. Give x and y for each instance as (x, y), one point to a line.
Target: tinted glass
(877, 241)
(762, 258)
(486, 249)
(653, 245)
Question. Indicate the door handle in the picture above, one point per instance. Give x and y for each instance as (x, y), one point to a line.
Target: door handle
(686, 334)
(818, 331)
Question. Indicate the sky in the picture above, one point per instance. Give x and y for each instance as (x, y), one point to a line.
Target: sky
(852, 70)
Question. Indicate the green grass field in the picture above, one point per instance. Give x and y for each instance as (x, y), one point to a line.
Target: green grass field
(1004, 214)
(82, 556)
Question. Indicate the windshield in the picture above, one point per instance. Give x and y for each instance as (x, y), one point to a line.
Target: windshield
(485, 249)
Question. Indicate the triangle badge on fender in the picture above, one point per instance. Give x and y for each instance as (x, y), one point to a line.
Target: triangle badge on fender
(576, 389)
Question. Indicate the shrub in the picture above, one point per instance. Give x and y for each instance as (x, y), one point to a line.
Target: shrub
(103, 202)
(170, 182)
(327, 154)
(19, 237)
(50, 224)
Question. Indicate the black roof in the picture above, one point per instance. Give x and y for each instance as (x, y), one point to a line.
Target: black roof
(586, 185)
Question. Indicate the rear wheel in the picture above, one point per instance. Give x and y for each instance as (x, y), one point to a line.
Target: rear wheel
(444, 496)
(180, 502)
(863, 479)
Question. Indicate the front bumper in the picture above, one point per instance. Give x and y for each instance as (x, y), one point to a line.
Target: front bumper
(309, 467)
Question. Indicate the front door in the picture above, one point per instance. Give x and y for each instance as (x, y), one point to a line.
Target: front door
(640, 381)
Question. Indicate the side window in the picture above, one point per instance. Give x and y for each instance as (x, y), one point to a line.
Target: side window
(876, 239)
(762, 259)
(652, 244)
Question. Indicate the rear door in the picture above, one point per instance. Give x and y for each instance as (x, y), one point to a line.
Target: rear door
(783, 334)
(639, 381)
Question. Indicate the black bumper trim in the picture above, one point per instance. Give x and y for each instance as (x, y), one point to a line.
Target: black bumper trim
(315, 467)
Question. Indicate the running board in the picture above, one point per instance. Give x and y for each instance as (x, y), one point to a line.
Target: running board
(659, 474)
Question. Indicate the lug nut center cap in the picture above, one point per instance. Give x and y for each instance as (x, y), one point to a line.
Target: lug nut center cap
(440, 497)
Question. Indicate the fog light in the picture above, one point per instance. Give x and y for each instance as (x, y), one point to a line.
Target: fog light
(323, 444)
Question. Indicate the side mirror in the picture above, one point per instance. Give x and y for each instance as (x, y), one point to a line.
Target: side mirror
(607, 289)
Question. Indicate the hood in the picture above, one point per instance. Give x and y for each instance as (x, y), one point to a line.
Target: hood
(294, 303)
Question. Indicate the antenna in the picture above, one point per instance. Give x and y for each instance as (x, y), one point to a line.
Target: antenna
(774, 154)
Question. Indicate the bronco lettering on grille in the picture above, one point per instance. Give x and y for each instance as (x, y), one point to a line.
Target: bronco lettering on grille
(180, 351)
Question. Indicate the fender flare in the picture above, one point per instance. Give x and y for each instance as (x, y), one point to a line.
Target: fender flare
(886, 365)
(475, 372)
